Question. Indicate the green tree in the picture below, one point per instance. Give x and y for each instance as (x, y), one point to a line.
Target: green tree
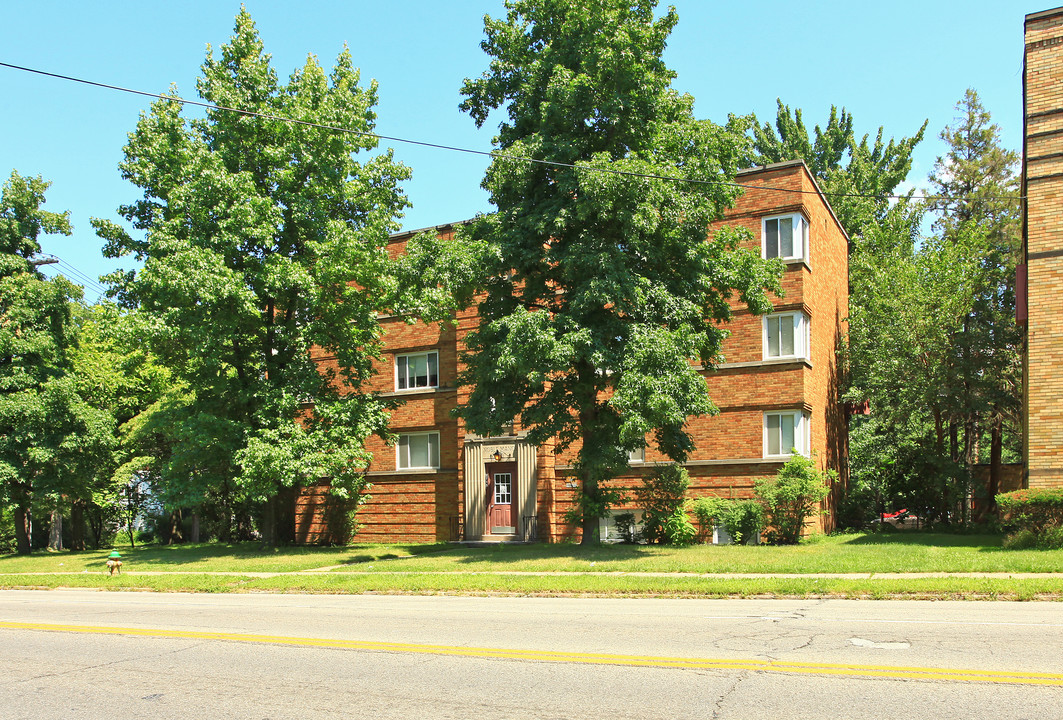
(262, 240)
(115, 372)
(663, 500)
(976, 186)
(909, 298)
(855, 176)
(602, 287)
(791, 497)
(50, 437)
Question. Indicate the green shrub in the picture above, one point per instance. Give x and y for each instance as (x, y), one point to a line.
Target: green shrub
(1021, 540)
(709, 512)
(678, 529)
(661, 497)
(791, 497)
(627, 528)
(1033, 510)
(742, 519)
(1050, 539)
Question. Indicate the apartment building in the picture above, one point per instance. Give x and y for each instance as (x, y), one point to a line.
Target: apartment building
(1040, 281)
(777, 389)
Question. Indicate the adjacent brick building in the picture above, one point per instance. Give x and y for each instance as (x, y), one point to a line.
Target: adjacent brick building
(777, 388)
(1040, 286)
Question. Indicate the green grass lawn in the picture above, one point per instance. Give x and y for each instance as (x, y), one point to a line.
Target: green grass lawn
(894, 552)
(443, 568)
(237, 557)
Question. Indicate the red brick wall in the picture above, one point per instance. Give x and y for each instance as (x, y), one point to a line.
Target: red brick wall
(421, 506)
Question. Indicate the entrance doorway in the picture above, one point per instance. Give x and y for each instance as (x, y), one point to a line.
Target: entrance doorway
(501, 498)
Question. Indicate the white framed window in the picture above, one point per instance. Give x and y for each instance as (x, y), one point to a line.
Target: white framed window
(417, 370)
(785, 432)
(786, 335)
(785, 237)
(417, 451)
(503, 488)
(637, 455)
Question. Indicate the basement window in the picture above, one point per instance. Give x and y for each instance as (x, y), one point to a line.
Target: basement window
(417, 451)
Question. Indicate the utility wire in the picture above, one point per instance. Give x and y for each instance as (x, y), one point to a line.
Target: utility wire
(86, 280)
(71, 273)
(487, 153)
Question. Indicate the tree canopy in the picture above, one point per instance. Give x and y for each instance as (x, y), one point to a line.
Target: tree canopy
(51, 439)
(855, 175)
(261, 240)
(601, 286)
(933, 343)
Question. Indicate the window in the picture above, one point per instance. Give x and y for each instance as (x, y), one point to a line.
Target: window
(785, 237)
(786, 335)
(636, 456)
(503, 488)
(418, 450)
(417, 370)
(785, 432)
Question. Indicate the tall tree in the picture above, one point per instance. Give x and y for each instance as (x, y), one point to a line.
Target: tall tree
(262, 239)
(910, 296)
(603, 287)
(933, 341)
(855, 176)
(115, 373)
(49, 436)
(976, 188)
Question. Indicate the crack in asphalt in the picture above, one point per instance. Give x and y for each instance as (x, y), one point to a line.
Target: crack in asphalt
(123, 661)
(718, 708)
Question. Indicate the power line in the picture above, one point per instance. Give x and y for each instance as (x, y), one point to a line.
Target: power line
(93, 285)
(487, 153)
(71, 273)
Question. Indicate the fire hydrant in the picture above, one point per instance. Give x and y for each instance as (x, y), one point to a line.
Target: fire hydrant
(114, 563)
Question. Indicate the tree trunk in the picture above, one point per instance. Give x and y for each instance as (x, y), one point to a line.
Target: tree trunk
(939, 429)
(177, 532)
(996, 466)
(130, 517)
(970, 454)
(22, 528)
(195, 528)
(55, 531)
(269, 523)
(589, 525)
(77, 525)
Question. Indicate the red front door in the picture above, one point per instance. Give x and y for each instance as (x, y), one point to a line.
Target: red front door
(501, 498)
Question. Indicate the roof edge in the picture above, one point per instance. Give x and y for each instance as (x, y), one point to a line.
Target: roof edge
(1043, 14)
(441, 226)
(787, 164)
(784, 165)
(772, 166)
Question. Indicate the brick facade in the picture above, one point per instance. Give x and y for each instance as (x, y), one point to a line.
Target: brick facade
(1043, 248)
(448, 504)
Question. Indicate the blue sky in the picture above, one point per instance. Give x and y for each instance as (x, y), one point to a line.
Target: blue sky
(893, 64)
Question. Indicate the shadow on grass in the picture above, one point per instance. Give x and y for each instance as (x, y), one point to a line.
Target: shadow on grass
(987, 543)
(522, 553)
(146, 556)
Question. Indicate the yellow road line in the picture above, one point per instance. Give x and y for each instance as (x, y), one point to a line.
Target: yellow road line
(778, 666)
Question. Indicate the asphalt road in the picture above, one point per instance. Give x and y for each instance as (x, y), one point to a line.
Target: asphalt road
(76, 654)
